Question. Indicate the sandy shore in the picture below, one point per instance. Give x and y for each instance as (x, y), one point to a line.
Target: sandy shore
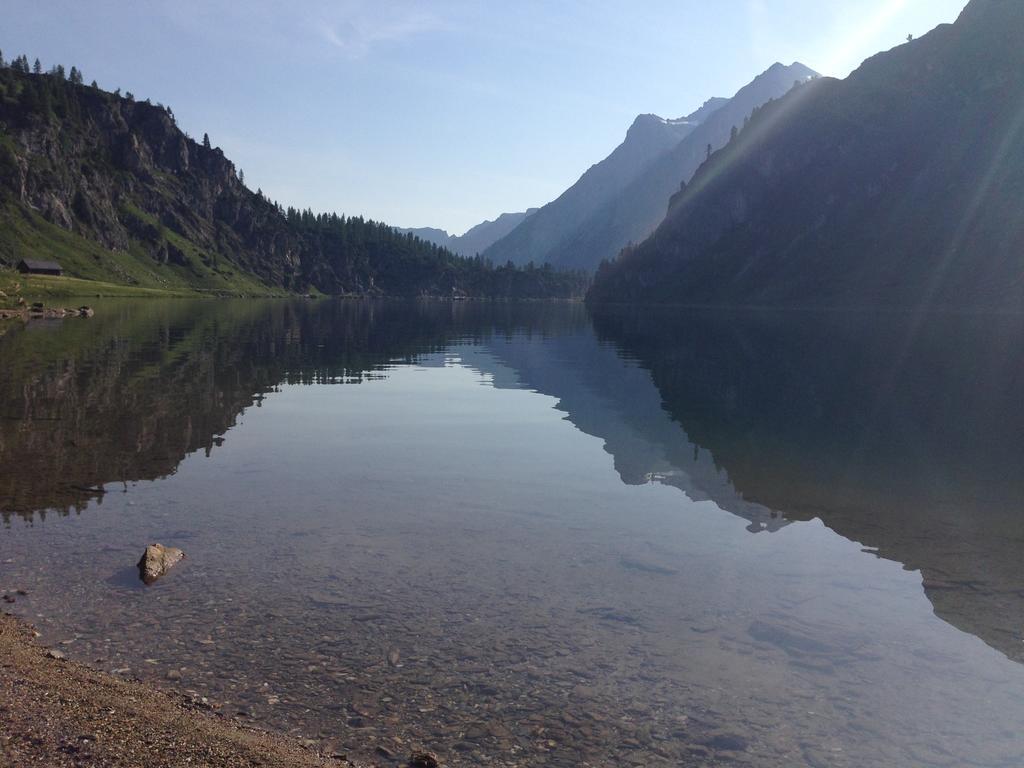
(55, 712)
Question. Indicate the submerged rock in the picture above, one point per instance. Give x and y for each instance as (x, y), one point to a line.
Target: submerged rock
(157, 560)
(423, 760)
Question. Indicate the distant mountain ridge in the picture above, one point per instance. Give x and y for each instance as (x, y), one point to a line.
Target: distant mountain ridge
(636, 212)
(899, 186)
(648, 137)
(476, 239)
(605, 211)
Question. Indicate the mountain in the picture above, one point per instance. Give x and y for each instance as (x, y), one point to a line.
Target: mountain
(582, 236)
(477, 239)
(898, 186)
(115, 191)
(430, 235)
(634, 213)
(481, 237)
(539, 237)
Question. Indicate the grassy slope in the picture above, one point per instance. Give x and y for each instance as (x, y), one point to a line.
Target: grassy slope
(43, 287)
(25, 234)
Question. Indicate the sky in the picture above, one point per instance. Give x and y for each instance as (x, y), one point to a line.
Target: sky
(441, 113)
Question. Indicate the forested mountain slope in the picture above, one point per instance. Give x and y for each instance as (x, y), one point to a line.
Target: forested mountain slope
(114, 190)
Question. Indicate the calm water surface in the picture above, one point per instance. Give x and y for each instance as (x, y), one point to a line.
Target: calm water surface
(523, 536)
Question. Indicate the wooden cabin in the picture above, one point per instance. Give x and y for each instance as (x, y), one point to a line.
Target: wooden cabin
(36, 267)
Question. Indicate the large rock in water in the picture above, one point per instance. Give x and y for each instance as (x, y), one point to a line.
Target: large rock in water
(157, 560)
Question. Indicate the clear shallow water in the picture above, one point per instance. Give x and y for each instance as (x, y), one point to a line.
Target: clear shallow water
(517, 536)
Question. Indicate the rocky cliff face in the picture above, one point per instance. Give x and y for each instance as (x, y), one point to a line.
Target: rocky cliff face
(121, 174)
(899, 186)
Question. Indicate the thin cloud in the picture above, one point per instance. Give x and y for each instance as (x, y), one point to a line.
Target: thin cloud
(362, 27)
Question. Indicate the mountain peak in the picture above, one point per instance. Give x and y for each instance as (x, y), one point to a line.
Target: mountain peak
(649, 123)
(796, 70)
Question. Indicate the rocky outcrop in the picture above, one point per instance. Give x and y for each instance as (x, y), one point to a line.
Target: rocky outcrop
(39, 312)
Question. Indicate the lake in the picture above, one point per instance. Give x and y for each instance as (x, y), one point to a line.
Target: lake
(522, 535)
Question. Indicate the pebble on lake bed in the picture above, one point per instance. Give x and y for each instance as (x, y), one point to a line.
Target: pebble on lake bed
(157, 560)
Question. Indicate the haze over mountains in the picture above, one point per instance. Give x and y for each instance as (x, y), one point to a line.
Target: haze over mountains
(625, 196)
(898, 186)
(476, 239)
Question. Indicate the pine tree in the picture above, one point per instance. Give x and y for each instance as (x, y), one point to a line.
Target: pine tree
(709, 153)
(37, 68)
(2, 59)
(733, 133)
(76, 76)
(58, 71)
(241, 177)
(94, 85)
(206, 141)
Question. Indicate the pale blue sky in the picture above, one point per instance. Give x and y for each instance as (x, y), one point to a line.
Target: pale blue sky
(442, 113)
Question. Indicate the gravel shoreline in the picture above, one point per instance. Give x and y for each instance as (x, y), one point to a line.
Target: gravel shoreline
(55, 712)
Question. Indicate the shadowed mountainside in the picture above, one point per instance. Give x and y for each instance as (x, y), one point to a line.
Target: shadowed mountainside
(637, 210)
(899, 186)
(597, 217)
(539, 237)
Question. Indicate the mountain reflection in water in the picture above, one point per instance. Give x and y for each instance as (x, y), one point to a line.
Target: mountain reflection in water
(128, 395)
(900, 433)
